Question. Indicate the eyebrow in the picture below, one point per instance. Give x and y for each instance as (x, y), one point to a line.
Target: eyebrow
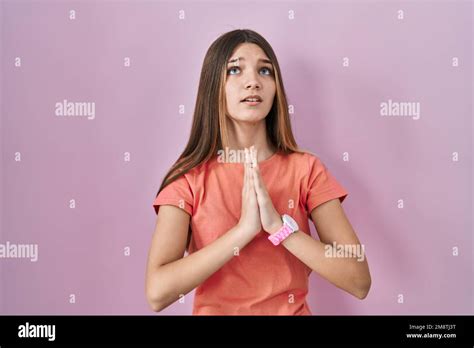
(242, 58)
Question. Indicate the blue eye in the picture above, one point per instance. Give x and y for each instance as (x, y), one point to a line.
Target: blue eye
(229, 70)
(234, 67)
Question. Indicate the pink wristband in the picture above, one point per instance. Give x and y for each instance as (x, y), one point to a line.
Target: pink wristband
(278, 237)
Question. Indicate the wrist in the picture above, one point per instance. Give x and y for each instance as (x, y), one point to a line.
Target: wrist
(287, 227)
(276, 226)
(243, 230)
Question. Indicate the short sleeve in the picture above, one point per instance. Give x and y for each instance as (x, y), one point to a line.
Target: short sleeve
(321, 185)
(177, 193)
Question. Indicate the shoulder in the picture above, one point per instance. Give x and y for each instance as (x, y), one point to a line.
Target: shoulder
(305, 161)
(193, 177)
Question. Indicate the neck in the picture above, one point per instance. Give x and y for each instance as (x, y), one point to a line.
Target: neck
(245, 134)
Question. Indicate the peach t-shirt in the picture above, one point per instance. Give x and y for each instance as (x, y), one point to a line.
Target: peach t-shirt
(263, 279)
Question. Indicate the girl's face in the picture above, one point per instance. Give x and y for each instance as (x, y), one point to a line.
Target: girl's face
(249, 74)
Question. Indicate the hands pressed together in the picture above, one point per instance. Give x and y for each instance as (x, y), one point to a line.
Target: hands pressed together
(257, 207)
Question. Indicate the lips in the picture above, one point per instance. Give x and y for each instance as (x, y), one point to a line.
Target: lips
(252, 98)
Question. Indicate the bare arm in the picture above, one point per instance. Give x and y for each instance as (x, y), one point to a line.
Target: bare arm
(169, 274)
(347, 273)
(348, 269)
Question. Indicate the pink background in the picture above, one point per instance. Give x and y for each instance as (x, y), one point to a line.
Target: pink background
(81, 250)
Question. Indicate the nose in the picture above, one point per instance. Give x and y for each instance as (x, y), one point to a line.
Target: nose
(252, 82)
(252, 85)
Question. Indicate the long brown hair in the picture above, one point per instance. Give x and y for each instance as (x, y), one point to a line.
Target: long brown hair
(209, 128)
(209, 132)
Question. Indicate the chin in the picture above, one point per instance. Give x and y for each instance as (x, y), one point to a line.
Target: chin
(249, 118)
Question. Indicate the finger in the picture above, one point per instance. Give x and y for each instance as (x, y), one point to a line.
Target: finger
(251, 177)
(245, 179)
(247, 155)
(259, 184)
(247, 173)
(250, 158)
(254, 157)
(253, 192)
(256, 181)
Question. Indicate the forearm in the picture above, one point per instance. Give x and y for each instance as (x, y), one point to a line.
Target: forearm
(348, 273)
(170, 281)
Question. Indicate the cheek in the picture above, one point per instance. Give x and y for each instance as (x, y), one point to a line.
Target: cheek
(271, 94)
(231, 93)
(271, 88)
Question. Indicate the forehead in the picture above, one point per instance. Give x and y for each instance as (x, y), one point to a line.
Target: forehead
(248, 52)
